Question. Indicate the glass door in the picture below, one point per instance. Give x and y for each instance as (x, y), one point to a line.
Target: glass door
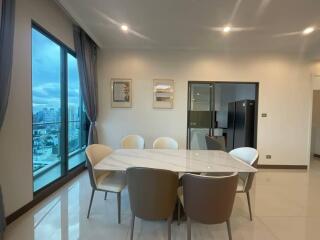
(47, 127)
(59, 127)
(200, 114)
(77, 120)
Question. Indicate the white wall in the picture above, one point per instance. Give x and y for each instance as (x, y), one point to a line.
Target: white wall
(16, 133)
(285, 94)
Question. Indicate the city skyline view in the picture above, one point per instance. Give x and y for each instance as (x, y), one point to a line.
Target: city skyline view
(46, 74)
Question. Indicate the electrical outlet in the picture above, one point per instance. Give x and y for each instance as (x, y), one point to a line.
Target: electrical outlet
(268, 156)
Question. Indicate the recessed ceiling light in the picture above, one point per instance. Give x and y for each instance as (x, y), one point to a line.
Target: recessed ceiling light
(308, 30)
(124, 28)
(227, 29)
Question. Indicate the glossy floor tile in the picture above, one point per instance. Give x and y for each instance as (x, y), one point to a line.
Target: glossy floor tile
(286, 205)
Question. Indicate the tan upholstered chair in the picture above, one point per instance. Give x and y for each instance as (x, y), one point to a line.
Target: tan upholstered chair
(207, 199)
(133, 142)
(249, 156)
(165, 143)
(153, 194)
(104, 181)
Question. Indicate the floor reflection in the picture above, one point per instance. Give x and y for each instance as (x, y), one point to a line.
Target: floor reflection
(59, 218)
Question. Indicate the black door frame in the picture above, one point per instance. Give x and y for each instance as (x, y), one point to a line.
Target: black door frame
(257, 85)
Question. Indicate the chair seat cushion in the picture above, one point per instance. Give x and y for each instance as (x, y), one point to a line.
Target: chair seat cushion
(112, 182)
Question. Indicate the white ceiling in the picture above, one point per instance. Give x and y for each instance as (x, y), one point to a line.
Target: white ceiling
(188, 24)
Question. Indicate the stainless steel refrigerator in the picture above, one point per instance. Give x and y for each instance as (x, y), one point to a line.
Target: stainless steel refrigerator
(241, 122)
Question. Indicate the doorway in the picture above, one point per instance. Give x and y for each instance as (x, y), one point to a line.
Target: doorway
(225, 111)
(315, 132)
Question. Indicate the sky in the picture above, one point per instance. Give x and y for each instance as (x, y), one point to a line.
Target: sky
(46, 72)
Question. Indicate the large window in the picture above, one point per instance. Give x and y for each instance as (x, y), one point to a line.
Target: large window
(59, 122)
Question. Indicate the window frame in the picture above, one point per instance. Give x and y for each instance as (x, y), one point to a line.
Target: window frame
(65, 171)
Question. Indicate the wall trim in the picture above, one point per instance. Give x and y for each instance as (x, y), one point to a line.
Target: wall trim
(273, 166)
(38, 197)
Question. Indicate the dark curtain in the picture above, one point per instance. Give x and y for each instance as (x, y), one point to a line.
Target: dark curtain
(6, 48)
(86, 50)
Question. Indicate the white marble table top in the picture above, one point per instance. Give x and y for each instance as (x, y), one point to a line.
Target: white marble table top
(174, 160)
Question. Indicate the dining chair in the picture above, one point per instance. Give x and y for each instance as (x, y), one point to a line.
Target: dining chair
(165, 143)
(249, 156)
(207, 199)
(216, 143)
(104, 181)
(152, 194)
(132, 142)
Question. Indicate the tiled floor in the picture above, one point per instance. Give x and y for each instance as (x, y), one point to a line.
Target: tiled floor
(286, 205)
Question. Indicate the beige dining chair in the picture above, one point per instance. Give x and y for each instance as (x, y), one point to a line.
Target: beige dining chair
(132, 142)
(104, 181)
(153, 194)
(251, 157)
(165, 143)
(207, 199)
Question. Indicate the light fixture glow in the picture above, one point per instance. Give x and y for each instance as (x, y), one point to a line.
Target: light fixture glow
(308, 30)
(227, 29)
(124, 28)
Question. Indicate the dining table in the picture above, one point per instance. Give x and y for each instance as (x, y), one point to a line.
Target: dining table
(176, 160)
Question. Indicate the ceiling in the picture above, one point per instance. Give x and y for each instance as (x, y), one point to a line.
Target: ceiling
(268, 25)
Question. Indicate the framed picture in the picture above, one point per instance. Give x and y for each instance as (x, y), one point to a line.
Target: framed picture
(121, 93)
(163, 93)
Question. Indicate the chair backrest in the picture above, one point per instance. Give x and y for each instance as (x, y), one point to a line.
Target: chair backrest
(246, 154)
(95, 153)
(249, 156)
(165, 143)
(152, 192)
(209, 199)
(215, 143)
(133, 142)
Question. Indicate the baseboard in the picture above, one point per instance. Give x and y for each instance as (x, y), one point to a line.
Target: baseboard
(272, 166)
(40, 196)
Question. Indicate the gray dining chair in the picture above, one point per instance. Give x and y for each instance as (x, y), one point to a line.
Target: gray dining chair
(152, 194)
(251, 157)
(207, 199)
(216, 143)
(104, 181)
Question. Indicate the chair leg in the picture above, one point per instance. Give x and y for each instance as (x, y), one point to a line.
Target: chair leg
(132, 226)
(169, 227)
(90, 204)
(229, 229)
(119, 207)
(105, 195)
(249, 205)
(179, 211)
(188, 228)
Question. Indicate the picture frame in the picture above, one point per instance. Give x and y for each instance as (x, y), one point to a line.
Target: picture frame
(163, 93)
(121, 93)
